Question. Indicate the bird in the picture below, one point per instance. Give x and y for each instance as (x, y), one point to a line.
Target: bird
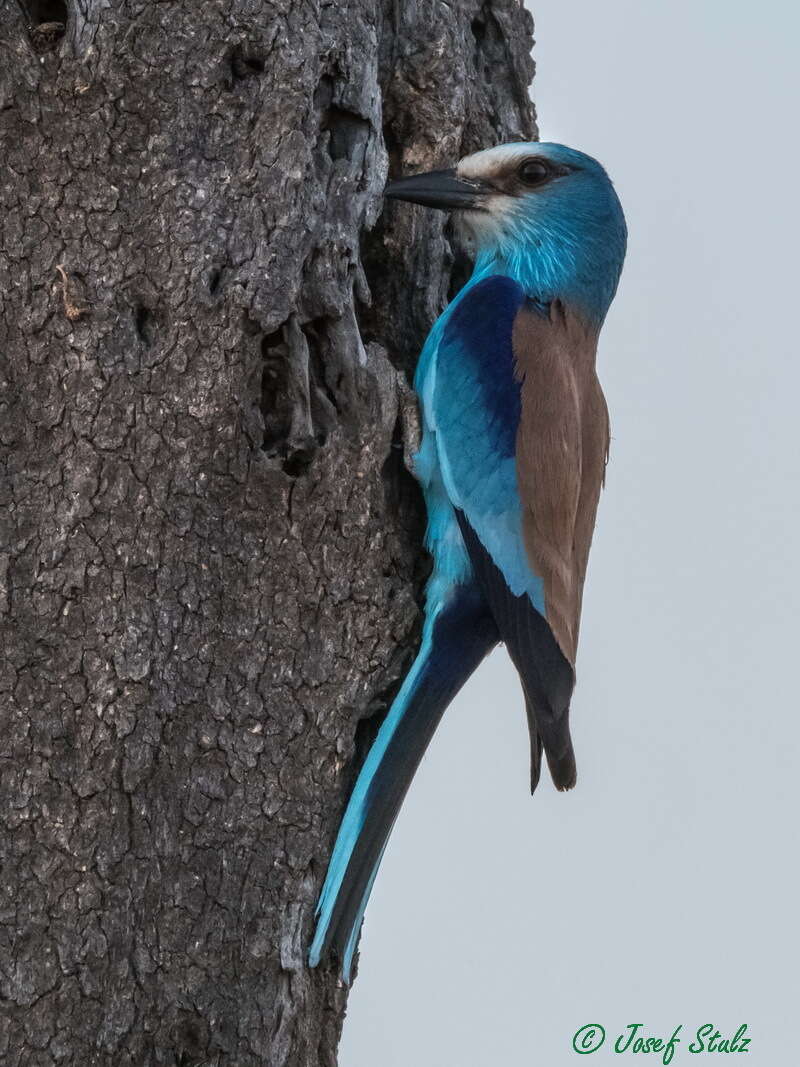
(511, 462)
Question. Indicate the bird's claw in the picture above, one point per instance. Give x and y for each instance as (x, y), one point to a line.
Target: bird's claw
(411, 422)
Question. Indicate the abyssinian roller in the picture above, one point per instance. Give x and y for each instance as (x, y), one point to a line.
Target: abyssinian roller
(512, 458)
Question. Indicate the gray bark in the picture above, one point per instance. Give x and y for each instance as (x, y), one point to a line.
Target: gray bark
(210, 561)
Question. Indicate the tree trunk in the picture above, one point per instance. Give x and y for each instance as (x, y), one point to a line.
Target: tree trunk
(210, 561)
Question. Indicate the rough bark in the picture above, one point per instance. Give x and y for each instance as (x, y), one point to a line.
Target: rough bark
(210, 562)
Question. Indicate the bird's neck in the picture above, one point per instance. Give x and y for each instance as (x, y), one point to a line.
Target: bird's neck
(551, 266)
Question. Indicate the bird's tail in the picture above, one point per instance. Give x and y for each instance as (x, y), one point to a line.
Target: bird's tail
(456, 637)
(547, 676)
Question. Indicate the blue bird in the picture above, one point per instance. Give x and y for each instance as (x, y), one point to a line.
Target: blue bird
(512, 459)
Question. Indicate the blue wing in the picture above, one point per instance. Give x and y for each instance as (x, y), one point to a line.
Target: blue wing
(475, 405)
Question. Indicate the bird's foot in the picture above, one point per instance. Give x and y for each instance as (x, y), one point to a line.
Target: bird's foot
(411, 421)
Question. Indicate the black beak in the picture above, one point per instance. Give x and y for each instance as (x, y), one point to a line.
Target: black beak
(438, 188)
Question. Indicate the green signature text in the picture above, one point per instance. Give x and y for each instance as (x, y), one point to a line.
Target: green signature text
(592, 1037)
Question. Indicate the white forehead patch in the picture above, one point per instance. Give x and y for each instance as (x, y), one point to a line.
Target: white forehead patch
(495, 208)
(491, 160)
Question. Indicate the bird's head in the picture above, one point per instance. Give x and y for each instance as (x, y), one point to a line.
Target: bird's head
(545, 214)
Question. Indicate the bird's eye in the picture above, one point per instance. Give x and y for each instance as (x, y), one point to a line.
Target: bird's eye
(533, 172)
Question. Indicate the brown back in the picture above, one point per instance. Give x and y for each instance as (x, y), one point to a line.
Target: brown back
(562, 448)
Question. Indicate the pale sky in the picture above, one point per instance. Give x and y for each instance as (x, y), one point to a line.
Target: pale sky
(664, 888)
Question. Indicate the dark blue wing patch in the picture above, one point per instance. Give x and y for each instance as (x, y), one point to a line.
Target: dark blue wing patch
(482, 324)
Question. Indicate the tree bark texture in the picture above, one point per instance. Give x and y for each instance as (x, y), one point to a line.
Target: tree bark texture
(210, 550)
